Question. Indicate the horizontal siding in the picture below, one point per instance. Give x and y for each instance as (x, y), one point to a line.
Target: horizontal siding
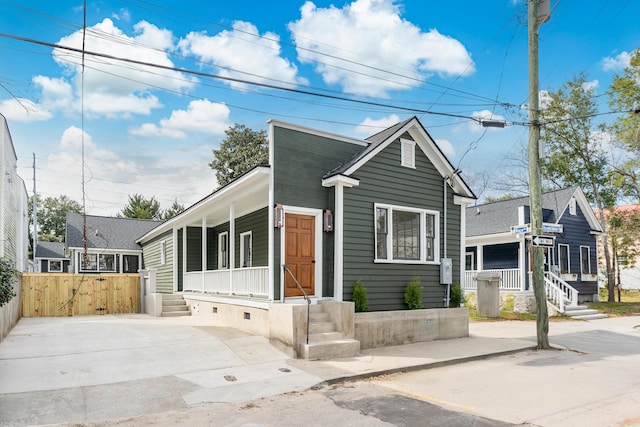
(384, 180)
(258, 223)
(151, 256)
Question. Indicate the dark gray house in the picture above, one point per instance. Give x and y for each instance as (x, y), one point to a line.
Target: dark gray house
(50, 258)
(330, 208)
(111, 243)
(499, 240)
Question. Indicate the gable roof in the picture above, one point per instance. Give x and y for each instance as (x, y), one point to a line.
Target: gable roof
(414, 128)
(498, 217)
(53, 250)
(107, 232)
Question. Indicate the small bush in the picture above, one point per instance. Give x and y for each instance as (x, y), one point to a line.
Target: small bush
(360, 297)
(413, 294)
(7, 276)
(455, 296)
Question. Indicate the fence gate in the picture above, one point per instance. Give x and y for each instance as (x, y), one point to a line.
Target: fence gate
(61, 294)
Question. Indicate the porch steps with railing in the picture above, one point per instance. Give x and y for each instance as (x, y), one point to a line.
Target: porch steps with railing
(582, 312)
(325, 341)
(174, 305)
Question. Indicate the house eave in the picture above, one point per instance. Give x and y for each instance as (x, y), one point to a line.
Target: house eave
(340, 179)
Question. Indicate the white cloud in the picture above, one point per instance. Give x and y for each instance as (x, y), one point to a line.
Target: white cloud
(23, 110)
(371, 126)
(590, 86)
(201, 116)
(110, 176)
(242, 54)
(372, 32)
(113, 88)
(446, 147)
(616, 63)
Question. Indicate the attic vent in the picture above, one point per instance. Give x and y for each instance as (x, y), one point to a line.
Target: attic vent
(572, 206)
(408, 153)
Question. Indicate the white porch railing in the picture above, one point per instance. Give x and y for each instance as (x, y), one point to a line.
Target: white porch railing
(253, 281)
(509, 279)
(559, 292)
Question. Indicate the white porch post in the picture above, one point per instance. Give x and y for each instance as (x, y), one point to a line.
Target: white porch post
(338, 256)
(522, 265)
(184, 253)
(480, 256)
(175, 260)
(232, 245)
(204, 250)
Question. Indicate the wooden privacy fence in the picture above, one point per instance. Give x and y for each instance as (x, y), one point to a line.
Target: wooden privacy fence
(61, 294)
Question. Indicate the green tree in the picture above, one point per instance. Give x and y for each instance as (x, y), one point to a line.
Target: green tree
(240, 151)
(52, 216)
(624, 95)
(173, 210)
(142, 208)
(624, 233)
(574, 156)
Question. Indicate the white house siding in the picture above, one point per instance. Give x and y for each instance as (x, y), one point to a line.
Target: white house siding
(13, 204)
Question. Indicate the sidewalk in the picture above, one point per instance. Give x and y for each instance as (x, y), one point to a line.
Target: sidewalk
(97, 368)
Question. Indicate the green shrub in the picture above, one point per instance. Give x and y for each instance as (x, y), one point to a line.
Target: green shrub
(360, 297)
(455, 296)
(413, 294)
(7, 276)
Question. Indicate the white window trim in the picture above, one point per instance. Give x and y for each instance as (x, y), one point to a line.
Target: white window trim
(55, 260)
(423, 235)
(98, 269)
(163, 252)
(408, 159)
(588, 259)
(242, 260)
(220, 267)
(568, 258)
(472, 255)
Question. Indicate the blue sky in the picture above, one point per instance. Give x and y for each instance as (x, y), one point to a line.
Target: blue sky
(152, 131)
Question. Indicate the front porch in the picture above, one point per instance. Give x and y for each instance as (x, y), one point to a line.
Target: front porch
(250, 282)
(560, 294)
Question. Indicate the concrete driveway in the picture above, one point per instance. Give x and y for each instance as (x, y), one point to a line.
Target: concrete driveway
(94, 368)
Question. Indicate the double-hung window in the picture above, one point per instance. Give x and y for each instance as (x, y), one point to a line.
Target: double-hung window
(223, 250)
(585, 261)
(563, 258)
(245, 249)
(404, 234)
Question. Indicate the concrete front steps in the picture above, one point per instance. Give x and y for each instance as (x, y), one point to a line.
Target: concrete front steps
(325, 341)
(583, 313)
(174, 305)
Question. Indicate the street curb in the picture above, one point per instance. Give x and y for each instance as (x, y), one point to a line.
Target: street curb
(413, 368)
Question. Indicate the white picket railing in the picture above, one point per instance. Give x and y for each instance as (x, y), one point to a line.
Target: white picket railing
(559, 292)
(509, 279)
(252, 281)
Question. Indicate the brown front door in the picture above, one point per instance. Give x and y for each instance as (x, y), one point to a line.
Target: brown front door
(299, 254)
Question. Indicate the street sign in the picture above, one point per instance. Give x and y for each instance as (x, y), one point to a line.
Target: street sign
(552, 228)
(521, 229)
(542, 241)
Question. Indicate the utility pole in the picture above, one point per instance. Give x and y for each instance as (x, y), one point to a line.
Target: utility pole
(535, 184)
(35, 214)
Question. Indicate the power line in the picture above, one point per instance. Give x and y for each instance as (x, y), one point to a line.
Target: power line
(235, 80)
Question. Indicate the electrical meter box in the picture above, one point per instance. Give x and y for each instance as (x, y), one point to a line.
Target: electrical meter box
(446, 271)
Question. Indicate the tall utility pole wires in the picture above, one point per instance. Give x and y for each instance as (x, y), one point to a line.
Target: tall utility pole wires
(535, 185)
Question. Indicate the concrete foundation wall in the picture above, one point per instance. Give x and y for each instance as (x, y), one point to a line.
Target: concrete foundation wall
(249, 319)
(153, 304)
(380, 329)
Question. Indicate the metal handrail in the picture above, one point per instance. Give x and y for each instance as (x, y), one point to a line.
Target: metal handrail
(306, 297)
